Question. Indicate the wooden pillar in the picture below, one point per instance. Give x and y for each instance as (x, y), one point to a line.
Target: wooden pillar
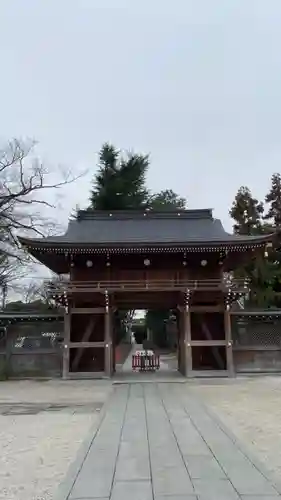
(107, 345)
(187, 342)
(228, 338)
(113, 340)
(179, 340)
(113, 348)
(66, 350)
(107, 337)
(181, 344)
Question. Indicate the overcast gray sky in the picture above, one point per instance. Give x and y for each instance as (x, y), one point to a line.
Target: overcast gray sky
(195, 83)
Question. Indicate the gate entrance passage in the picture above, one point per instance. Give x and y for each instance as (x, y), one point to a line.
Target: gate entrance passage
(179, 260)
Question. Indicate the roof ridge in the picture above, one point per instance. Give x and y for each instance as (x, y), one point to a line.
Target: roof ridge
(205, 213)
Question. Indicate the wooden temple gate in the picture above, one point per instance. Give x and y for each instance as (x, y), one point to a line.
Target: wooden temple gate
(179, 260)
(204, 331)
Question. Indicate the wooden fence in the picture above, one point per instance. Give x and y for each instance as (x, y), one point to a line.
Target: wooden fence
(30, 345)
(256, 341)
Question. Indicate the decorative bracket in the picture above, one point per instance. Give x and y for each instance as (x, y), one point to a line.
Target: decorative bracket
(106, 301)
(187, 297)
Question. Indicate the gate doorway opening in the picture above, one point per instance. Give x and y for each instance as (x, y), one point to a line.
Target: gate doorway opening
(153, 334)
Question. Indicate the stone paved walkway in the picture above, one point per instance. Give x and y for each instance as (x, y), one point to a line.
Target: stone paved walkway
(156, 442)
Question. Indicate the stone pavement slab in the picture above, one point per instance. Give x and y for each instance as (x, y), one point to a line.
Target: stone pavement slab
(156, 442)
(177, 497)
(215, 490)
(203, 467)
(134, 490)
(258, 497)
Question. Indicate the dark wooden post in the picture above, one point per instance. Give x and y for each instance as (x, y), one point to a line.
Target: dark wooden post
(187, 342)
(107, 345)
(228, 338)
(113, 341)
(179, 339)
(107, 338)
(66, 350)
(181, 345)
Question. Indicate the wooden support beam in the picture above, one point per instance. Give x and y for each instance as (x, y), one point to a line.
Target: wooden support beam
(203, 309)
(85, 338)
(87, 310)
(85, 345)
(202, 343)
(66, 337)
(207, 309)
(229, 347)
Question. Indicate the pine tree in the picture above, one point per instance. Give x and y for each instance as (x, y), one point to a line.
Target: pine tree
(273, 198)
(246, 212)
(120, 181)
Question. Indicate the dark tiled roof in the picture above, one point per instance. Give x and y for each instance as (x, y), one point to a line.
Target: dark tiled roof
(186, 227)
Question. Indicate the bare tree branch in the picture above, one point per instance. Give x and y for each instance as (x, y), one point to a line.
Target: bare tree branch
(23, 180)
(24, 185)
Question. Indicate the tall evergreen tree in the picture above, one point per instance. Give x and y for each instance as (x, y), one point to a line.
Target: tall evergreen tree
(120, 181)
(246, 211)
(120, 184)
(273, 198)
(273, 223)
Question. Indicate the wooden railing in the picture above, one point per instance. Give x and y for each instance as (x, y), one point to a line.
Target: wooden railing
(145, 363)
(152, 285)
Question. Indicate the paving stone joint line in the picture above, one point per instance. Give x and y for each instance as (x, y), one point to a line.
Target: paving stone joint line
(120, 437)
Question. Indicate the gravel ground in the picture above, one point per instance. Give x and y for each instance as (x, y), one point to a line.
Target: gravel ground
(42, 425)
(251, 409)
